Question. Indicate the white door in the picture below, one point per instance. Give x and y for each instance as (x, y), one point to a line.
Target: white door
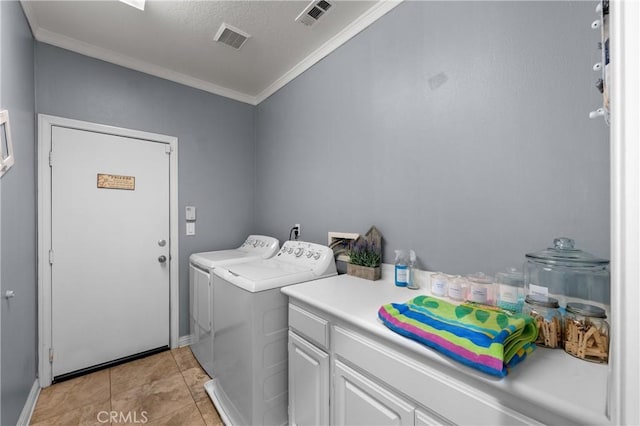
(110, 247)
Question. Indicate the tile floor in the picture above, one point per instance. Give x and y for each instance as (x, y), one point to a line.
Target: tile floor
(162, 389)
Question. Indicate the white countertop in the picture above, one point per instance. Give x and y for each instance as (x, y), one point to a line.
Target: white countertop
(549, 378)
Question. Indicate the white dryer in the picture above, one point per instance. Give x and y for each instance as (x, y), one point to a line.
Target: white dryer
(250, 386)
(255, 247)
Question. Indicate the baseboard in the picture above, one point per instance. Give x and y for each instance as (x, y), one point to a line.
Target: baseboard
(185, 340)
(29, 405)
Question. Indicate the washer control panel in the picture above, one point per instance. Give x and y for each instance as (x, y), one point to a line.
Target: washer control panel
(258, 244)
(317, 257)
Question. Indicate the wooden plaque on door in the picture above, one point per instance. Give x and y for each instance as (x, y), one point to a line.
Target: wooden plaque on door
(107, 181)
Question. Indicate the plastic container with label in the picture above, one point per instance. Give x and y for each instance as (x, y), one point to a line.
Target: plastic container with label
(439, 284)
(510, 290)
(457, 288)
(481, 289)
(402, 270)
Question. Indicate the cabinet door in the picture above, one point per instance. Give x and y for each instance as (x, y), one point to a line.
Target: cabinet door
(308, 383)
(425, 418)
(359, 401)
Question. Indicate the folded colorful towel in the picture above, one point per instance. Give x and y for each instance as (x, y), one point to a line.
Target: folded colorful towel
(488, 340)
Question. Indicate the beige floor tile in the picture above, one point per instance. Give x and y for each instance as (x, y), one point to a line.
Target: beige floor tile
(187, 416)
(63, 398)
(156, 399)
(92, 414)
(184, 357)
(195, 378)
(209, 413)
(142, 371)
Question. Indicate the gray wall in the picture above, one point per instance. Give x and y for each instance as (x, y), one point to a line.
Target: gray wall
(18, 225)
(472, 173)
(215, 140)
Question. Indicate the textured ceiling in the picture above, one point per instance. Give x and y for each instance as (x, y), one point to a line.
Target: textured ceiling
(174, 39)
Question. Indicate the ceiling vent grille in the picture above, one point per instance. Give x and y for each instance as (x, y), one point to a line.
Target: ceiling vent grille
(313, 12)
(231, 36)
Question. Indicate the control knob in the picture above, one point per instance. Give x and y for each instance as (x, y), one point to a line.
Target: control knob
(316, 256)
(299, 252)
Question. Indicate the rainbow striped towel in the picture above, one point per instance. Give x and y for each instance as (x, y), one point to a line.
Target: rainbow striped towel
(490, 341)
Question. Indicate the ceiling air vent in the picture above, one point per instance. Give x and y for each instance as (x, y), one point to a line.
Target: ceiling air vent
(313, 12)
(231, 36)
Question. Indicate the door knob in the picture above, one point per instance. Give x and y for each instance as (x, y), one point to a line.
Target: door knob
(162, 258)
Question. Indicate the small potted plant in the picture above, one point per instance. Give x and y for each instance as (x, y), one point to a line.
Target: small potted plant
(365, 259)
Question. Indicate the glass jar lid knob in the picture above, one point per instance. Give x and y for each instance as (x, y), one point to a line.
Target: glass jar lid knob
(563, 243)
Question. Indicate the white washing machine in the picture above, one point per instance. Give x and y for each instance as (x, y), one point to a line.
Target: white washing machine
(255, 247)
(250, 385)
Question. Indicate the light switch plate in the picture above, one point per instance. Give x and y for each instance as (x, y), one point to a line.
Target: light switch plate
(190, 213)
(191, 228)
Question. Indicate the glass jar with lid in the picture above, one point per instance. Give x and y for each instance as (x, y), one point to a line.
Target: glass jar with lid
(510, 290)
(480, 289)
(586, 332)
(439, 284)
(567, 274)
(546, 313)
(457, 288)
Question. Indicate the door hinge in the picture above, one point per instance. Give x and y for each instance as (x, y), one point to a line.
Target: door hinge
(50, 257)
(51, 355)
(50, 158)
(168, 149)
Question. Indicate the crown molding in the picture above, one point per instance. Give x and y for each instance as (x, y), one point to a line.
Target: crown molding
(369, 17)
(93, 51)
(30, 15)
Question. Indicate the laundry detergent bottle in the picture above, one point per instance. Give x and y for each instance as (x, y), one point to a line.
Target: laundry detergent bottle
(402, 268)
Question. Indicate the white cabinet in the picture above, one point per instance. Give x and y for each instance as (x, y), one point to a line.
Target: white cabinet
(308, 383)
(379, 377)
(359, 401)
(340, 376)
(425, 418)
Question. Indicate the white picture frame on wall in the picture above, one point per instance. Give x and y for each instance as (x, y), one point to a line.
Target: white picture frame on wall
(7, 159)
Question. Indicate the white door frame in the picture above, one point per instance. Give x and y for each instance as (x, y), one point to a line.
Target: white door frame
(624, 370)
(45, 124)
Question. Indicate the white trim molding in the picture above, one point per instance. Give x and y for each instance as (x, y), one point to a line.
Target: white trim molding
(45, 124)
(362, 22)
(29, 405)
(186, 340)
(365, 20)
(113, 57)
(624, 390)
